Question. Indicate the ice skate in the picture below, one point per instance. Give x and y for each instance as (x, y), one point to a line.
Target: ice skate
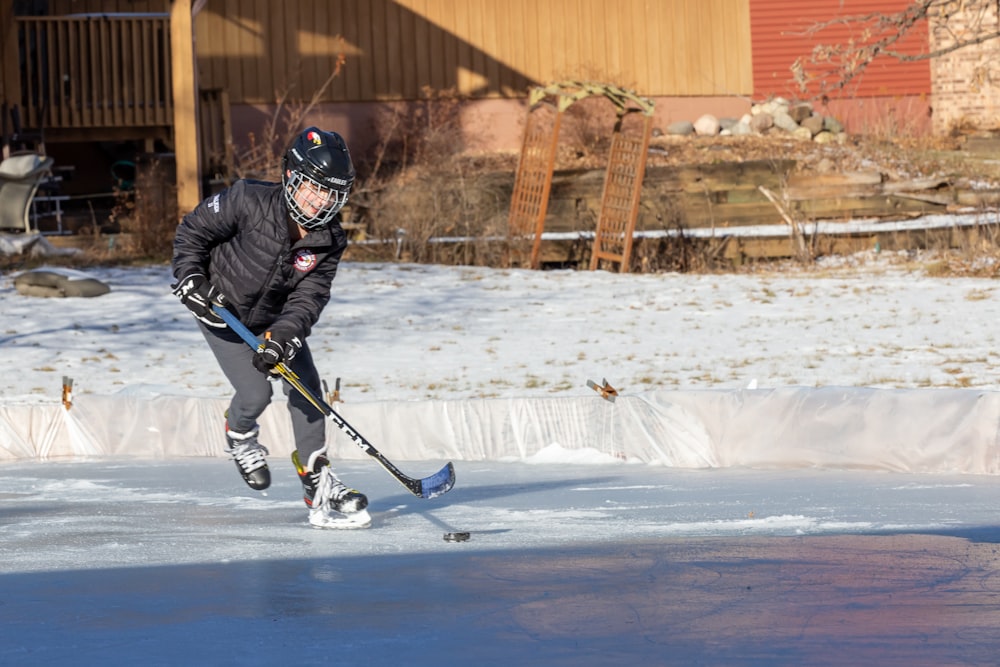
(331, 504)
(249, 457)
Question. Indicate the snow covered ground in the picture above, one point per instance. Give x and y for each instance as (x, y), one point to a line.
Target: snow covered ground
(411, 332)
(823, 550)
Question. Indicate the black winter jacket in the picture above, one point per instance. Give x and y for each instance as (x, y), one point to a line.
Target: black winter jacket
(239, 240)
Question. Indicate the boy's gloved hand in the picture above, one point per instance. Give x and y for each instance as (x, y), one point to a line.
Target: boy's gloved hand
(198, 295)
(276, 349)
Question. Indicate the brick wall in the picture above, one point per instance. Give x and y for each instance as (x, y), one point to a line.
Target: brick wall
(966, 82)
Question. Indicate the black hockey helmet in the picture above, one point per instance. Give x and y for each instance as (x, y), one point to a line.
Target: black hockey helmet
(320, 163)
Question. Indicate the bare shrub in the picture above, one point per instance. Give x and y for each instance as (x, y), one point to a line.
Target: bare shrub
(415, 133)
(420, 196)
(149, 217)
(676, 251)
(447, 212)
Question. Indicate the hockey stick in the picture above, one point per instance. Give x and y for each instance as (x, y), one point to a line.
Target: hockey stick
(428, 487)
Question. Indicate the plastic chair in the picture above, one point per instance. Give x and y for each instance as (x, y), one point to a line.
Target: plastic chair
(20, 176)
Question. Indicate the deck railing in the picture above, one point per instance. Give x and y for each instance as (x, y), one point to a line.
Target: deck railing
(95, 71)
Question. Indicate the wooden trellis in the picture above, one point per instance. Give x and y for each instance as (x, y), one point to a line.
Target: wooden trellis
(623, 179)
(530, 198)
(620, 198)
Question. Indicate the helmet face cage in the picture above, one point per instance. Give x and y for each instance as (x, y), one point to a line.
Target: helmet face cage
(326, 200)
(317, 174)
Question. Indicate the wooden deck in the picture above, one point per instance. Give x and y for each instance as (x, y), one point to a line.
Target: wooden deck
(101, 77)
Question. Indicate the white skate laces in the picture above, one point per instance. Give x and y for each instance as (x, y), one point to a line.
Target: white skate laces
(333, 504)
(249, 457)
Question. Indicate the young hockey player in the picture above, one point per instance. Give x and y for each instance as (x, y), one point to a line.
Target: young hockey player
(268, 252)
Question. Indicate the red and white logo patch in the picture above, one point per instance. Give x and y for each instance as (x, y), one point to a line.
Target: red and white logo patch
(305, 260)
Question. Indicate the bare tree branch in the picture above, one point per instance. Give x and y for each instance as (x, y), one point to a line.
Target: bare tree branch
(833, 67)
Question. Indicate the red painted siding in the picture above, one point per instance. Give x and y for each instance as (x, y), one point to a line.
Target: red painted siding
(777, 30)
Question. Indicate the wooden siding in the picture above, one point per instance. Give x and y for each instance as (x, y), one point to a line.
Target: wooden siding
(778, 28)
(258, 50)
(261, 49)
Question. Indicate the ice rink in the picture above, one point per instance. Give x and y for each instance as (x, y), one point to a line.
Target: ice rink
(174, 562)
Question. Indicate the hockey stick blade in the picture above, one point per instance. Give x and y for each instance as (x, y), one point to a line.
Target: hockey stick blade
(439, 483)
(429, 487)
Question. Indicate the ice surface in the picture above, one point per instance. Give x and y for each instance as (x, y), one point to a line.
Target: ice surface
(175, 562)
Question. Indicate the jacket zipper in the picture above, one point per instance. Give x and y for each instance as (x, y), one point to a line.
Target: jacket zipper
(267, 281)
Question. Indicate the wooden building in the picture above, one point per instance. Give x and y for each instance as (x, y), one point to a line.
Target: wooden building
(163, 72)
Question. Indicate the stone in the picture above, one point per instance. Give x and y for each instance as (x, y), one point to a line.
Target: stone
(707, 126)
(831, 124)
(785, 122)
(762, 122)
(741, 129)
(681, 127)
(814, 124)
(799, 112)
(802, 133)
(727, 123)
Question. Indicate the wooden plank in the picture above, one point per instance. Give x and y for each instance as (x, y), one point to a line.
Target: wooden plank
(421, 45)
(162, 77)
(838, 179)
(57, 50)
(983, 145)
(10, 79)
(348, 28)
(328, 22)
(132, 100)
(379, 49)
(916, 184)
(367, 89)
(307, 46)
(114, 64)
(185, 107)
(249, 82)
(888, 207)
(447, 51)
(477, 67)
(69, 54)
(277, 50)
(90, 84)
(978, 198)
(612, 42)
(208, 22)
(269, 21)
(829, 192)
(507, 30)
(464, 81)
(163, 100)
(392, 64)
(232, 72)
(146, 62)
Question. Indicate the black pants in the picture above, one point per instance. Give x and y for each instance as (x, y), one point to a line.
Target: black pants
(254, 390)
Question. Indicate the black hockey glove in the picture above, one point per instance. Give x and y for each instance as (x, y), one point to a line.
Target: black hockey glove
(198, 295)
(276, 349)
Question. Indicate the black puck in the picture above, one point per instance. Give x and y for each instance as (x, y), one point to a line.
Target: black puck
(456, 537)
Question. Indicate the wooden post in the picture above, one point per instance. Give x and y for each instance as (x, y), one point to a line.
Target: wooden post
(185, 92)
(10, 80)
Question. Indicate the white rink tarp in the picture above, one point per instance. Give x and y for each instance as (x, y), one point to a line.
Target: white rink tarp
(906, 430)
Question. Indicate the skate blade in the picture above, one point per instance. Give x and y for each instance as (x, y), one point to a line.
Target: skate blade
(352, 521)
